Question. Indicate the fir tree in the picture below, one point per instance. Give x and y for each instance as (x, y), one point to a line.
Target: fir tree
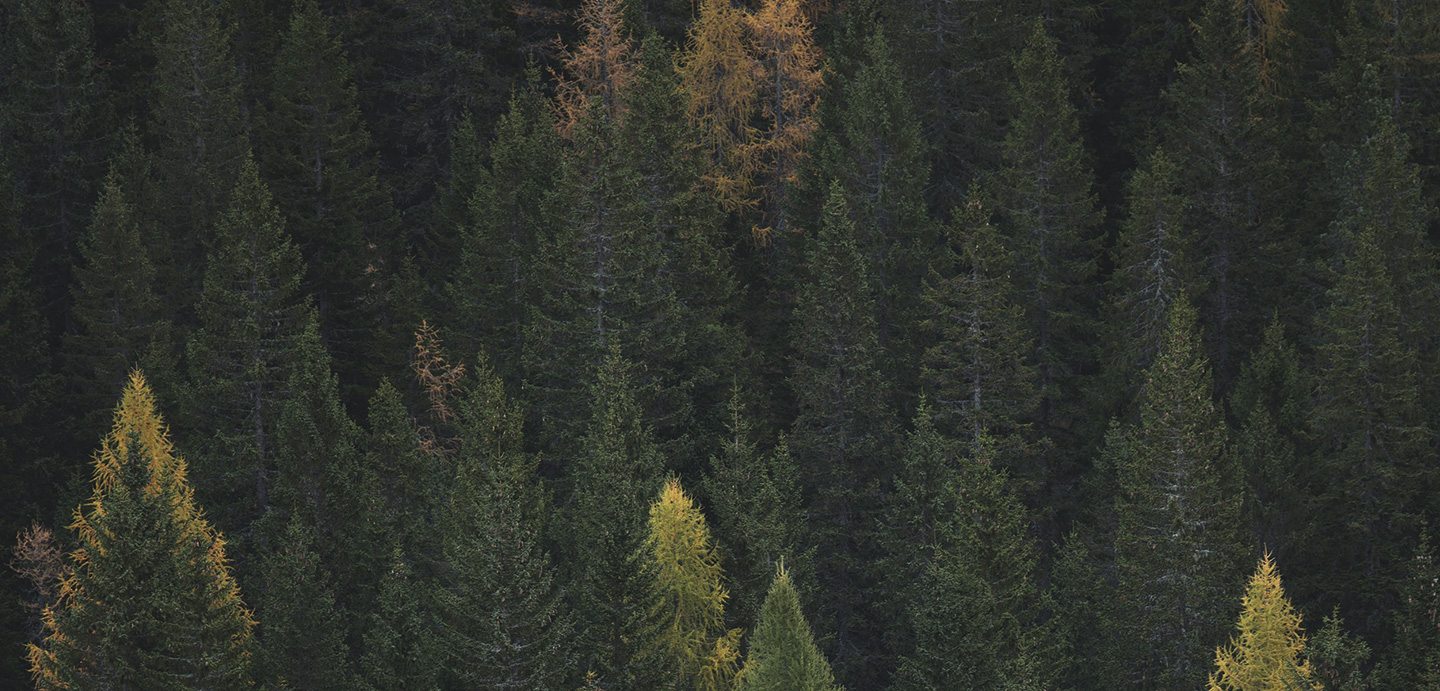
(843, 431)
(409, 481)
(1176, 544)
(399, 652)
(1269, 652)
(302, 636)
(783, 654)
(1413, 660)
(1337, 657)
(151, 602)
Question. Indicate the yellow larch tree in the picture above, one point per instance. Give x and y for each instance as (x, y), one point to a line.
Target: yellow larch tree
(1269, 653)
(597, 70)
(721, 83)
(784, 43)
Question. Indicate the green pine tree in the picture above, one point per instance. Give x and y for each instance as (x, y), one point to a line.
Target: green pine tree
(1413, 660)
(1177, 541)
(783, 654)
(400, 648)
(151, 602)
(302, 634)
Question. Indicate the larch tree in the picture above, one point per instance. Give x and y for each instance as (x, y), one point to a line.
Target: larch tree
(688, 598)
(783, 654)
(597, 70)
(151, 602)
(721, 83)
(1177, 541)
(1269, 652)
(783, 43)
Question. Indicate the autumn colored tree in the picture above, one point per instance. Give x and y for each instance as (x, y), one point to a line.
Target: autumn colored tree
(1269, 652)
(789, 91)
(721, 82)
(783, 654)
(597, 70)
(151, 602)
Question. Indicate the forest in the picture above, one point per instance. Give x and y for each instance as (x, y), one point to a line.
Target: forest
(760, 345)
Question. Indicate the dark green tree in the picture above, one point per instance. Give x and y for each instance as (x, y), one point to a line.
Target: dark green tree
(842, 436)
(1338, 656)
(400, 647)
(302, 634)
(1413, 660)
(783, 654)
(151, 602)
(1177, 542)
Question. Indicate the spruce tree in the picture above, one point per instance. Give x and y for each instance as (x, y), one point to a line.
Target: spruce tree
(1269, 651)
(501, 621)
(241, 357)
(1413, 660)
(316, 156)
(1338, 657)
(151, 602)
(783, 654)
(1176, 543)
(842, 436)
(399, 652)
(618, 471)
(302, 635)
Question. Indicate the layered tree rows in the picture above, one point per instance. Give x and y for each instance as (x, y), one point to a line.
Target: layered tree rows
(774, 344)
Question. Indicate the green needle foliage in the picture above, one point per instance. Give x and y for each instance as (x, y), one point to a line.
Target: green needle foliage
(783, 655)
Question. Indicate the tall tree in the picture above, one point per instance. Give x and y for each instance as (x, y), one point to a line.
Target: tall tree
(151, 602)
(1269, 651)
(783, 654)
(720, 78)
(399, 650)
(842, 435)
(302, 636)
(789, 91)
(316, 154)
(688, 600)
(1413, 660)
(1176, 544)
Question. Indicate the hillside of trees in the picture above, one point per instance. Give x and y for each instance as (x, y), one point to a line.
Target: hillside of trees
(1017, 345)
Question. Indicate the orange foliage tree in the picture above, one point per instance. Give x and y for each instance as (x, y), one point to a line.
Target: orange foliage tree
(784, 43)
(597, 70)
(721, 82)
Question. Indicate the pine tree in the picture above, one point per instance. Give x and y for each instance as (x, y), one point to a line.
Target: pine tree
(617, 472)
(1048, 215)
(302, 636)
(241, 357)
(196, 118)
(151, 602)
(754, 499)
(1413, 660)
(977, 374)
(1372, 456)
(1269, 652)
(1177, 543)
(317, 159)
(399, 647)
(783, 654)
(721, 82)
(790, 81)
(1337, 656)
(842, 435)
(688, 600)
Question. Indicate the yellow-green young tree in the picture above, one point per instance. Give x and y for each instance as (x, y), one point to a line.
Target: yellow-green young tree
(688, 600)
(151, 603)
(720, 80)
(783, 655)
(1268, 654)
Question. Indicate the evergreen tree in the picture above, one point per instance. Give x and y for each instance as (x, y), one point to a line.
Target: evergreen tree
(1086, 624)
(502, 623)
(241, 357)
(918, 519)
(317, 158)
(754, 499)
(399, 648)
(1372, 456)
(976, 373)
(1177, 543)
(1269, 652)
(783, 654)
(1413, 661)
(1337, 657)
(151, 602)
(1049, 215)
(410, 483)
(302, 637)
(842, 434)
(196, 117)
(617, 472)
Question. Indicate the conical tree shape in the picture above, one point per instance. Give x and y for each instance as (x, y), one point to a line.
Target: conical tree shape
(316, 157)
(721, 79)
(782, 39)
(1177, 542)
(502, 622)
(688, 598)
(302, 636)
(151, 602)
(618, 472)
(783, 655)
(400, 646)
(1413, 660)
(240, 359)
(1268, 655)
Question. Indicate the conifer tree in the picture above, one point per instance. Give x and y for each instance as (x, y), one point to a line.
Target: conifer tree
(1176, 544)
(1085, 626)
(1048, 215)
(842, 434)
(242, 355)
(617, 472)
(754, 499)
(410, 482)
(976, 373)
(1372, 456)
(919, 515)
(1269, 652)
(1413, 661)
(399, 652)
(783, 43)
(317, 159)
(721, 82)
(196, 117)
(783, 654)
(1337, 657)
(151, 602)
(302, 636)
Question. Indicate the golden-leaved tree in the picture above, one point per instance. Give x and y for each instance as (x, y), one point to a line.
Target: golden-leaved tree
(784, 43)
(1269, 653)
(721, 83)
(597, 69)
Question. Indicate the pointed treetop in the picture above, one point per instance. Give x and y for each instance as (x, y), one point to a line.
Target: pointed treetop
(1269, 652)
